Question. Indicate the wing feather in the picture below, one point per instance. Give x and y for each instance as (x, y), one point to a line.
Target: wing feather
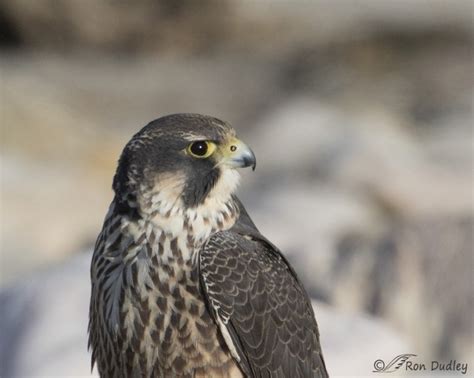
(254, 293)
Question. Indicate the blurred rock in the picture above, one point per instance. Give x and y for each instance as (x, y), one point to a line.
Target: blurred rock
(145, 26)
(44, 322)
(418, 276)
(125, 26)
(47, 212)
(352, 342)
(44, 328)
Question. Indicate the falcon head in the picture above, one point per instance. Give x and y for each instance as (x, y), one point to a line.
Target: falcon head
(179, 160)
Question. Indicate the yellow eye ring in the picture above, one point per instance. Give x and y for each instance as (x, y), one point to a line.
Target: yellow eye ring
(201, 149)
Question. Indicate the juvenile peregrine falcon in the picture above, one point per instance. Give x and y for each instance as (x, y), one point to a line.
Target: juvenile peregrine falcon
(183, 283)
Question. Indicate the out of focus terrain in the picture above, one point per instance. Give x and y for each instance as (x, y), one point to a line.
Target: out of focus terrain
(360, 114)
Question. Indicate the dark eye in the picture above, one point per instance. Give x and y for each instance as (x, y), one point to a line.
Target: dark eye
(201, 149)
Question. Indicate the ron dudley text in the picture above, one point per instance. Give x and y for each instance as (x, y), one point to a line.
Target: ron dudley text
(452, 366)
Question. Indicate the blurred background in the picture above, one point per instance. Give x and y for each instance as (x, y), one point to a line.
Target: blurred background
(359, 112)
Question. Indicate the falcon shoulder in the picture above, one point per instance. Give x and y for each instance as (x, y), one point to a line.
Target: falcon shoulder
(262, 310)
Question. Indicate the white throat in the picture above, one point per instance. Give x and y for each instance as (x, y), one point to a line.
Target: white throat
(189, 228)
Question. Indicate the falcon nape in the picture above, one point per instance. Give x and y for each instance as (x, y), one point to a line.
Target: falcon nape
(183, 283)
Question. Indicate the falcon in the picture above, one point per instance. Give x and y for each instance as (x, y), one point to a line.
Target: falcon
(183, 283)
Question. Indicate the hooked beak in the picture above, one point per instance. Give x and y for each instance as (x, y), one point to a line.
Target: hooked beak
(236, 154)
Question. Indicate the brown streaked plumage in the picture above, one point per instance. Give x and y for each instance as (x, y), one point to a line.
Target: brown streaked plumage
(183, 284)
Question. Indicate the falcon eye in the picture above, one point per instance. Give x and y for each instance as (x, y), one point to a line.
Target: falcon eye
(201, 149)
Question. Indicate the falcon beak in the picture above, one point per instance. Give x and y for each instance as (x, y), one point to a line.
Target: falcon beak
(236, 154)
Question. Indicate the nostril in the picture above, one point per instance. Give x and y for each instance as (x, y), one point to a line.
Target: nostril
(233, 148)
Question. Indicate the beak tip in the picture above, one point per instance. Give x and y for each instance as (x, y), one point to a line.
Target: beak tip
(249, 161)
